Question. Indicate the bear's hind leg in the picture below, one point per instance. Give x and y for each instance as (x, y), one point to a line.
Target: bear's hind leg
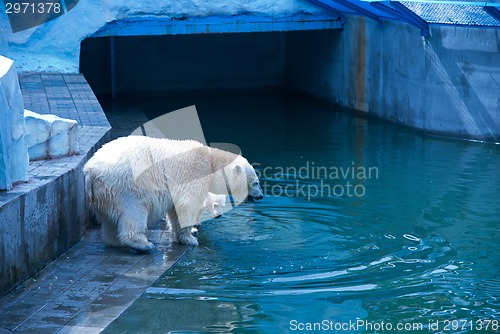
(132, 227)
(108, 226)
(109, 234)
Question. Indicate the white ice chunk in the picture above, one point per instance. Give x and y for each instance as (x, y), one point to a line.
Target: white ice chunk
(50, 136)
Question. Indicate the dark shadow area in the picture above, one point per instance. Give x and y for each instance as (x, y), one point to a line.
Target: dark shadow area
(184, 63)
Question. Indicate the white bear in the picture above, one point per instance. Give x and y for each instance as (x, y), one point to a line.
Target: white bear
(132, 181)
(214, 203)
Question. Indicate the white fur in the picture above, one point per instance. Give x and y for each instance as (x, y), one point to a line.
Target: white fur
(135, 180)
(214, 203)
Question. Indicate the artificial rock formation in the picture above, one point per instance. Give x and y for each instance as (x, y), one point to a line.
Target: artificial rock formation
(50, 136)
(14, 158)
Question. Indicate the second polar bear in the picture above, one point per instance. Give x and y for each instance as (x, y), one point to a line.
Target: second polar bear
(214, 203)
(136, 180)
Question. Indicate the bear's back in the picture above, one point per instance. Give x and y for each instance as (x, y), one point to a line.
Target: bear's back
(140, 147)
(126, 158)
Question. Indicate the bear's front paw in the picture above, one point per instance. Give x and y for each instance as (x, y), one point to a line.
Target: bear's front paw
(186, 238)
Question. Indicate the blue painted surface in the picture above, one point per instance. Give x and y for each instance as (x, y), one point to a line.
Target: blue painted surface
(493, 11)
(412, 17)
(420, 13)
(412, 20)
(141, 26)
(449, 2)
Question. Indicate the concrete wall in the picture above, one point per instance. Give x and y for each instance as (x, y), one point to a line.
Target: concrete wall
(186, 62)
(40, 225)
(448, 83)
(41, 219)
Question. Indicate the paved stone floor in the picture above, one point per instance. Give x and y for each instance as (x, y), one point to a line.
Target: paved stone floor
(67, 96)
(64, 95)
(87, 287)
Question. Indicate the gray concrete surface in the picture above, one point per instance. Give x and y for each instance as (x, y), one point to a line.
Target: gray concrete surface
(446, 84)
(87, 287)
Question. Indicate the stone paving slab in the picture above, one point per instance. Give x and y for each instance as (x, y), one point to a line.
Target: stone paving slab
(63, 95)
(86, 288)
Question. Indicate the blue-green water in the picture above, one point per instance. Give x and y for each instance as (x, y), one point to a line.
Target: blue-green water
(413, 245)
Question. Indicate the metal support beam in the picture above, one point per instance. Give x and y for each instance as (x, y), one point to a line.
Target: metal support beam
(323, 4)
(410, 19)
(410, 15)
(63, 5)
(112, 65)
(446, 2)
(358, 10)
(158, 26)
(493, 12)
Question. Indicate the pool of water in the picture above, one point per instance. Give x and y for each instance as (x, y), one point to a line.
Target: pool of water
(365, 227)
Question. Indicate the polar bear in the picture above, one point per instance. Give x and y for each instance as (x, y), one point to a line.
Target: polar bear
(132, 181)
(214, 203)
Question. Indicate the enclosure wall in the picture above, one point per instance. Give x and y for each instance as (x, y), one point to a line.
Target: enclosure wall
(447, 83)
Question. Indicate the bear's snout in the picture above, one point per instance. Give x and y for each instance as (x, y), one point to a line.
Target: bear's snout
(259, 197)
(253, 198)
(255, 194)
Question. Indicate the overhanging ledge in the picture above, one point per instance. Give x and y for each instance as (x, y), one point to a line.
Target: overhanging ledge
(153, 25)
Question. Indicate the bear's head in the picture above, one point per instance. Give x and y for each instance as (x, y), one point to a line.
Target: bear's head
(243, 181)
(215, 204)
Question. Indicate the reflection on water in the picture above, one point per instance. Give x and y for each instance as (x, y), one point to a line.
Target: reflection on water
(420, 244)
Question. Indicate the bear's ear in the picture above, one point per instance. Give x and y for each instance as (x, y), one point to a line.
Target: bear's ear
(238, 169)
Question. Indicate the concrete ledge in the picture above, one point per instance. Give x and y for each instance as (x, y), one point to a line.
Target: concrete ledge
(154, 25)
(88, 287)
(41, 219)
